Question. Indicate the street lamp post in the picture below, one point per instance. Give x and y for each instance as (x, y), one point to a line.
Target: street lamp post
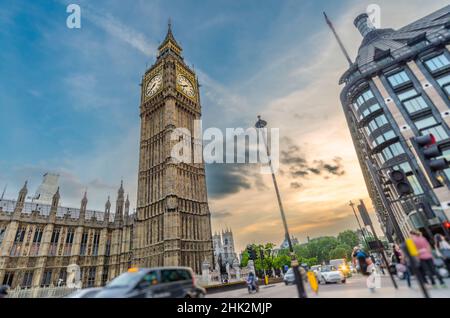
(359, 224)
(260, 124)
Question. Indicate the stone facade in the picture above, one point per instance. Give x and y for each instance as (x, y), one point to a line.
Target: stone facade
(173, 219)
(172, 225)
(39, 241)
(224, 248)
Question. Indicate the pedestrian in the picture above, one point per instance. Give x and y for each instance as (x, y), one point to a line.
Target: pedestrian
(359, 260)
(401, 264)
(372, 273)
(426, 258)
(442, 249)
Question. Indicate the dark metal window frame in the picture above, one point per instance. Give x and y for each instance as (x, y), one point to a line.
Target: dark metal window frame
(84, 241)
(8, 279)
(47, 278)
(27, 279)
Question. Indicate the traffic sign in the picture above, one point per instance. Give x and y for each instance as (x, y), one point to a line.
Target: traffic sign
(312, 279)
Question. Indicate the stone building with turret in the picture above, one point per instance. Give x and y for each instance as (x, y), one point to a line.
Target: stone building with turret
(224, 248)
(39, 241)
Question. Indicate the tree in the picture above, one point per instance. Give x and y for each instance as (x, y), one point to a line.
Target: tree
(302, 251)
(280, 261)
(321, 247)
(349, 238)
(244, 259)
(309, 261)
(341, 251)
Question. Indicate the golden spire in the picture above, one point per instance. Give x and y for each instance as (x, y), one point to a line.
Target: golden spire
(169, 42)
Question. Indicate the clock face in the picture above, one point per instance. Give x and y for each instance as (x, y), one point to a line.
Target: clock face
(153, 85)
(186, 86)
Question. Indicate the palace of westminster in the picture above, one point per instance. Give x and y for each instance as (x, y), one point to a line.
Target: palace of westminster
(171, 226)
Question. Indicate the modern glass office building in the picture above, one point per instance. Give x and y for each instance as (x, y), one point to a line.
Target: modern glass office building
(398, 89)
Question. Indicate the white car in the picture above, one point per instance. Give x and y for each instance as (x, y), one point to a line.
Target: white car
(330, 274)
(315, 269)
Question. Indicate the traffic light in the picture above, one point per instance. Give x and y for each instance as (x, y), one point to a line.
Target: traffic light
(261, 254)
(400, 182)
(429, 152)
(251, 253)
(447, 224)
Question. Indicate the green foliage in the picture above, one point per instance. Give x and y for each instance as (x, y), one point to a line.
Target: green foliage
(309, 261)
(267, 250)
(320, 248)
(317, 251)
(244, 259)
(302, 251)
(348, 238)
(281, 260)
(341, 251)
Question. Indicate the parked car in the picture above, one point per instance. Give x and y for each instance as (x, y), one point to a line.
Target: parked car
(84, 293)
(315, 269)
(289, 277)
(160, 282)
(330, 274)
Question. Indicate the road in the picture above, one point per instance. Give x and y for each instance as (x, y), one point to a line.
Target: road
(354, 288)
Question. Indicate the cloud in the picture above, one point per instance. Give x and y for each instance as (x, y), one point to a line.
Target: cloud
(296, 185)
(299, 166)
(115, 28)
(294, 87)
(220, 214)
(226, 179)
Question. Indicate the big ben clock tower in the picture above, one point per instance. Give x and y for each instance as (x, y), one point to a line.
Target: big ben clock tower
(173, 220)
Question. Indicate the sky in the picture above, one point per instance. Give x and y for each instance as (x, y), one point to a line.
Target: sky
(69, 100)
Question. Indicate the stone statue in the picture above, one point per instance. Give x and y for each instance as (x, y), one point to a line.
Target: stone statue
(73, 276)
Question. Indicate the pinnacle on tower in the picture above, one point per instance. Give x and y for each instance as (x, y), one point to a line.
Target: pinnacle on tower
(23, 192)
(169, 42)
(84, 201)
(57, 195)
(362, 23)
(127, 205)
(56, 198)
(121, 191)
(108, 204)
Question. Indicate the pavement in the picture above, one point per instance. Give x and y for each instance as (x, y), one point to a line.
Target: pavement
(354, 288)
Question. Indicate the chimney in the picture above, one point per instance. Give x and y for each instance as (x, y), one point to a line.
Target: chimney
(363, 24)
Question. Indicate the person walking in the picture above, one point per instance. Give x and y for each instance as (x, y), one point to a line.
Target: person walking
(401, 265)
(426, 258)
(442, 249)
(373, 276)
(359, 260)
